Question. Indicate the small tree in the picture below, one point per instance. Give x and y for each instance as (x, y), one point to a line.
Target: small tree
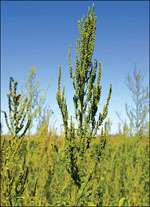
(140, 96)
(86, 99)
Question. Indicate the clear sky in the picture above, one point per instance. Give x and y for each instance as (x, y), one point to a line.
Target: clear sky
(39, 33)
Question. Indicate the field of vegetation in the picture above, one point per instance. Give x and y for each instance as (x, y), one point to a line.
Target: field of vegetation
(82, 166)
(121, 177)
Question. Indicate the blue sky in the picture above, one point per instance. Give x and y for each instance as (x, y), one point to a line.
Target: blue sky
(39, 34)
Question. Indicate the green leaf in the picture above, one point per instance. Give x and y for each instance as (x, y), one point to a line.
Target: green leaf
(91, 204)
(121, 201)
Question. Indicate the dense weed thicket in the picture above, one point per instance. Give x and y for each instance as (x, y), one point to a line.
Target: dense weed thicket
(121, 178)
(79, 168)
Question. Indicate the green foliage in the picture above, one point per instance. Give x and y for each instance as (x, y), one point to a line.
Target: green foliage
(126, 130)
(87, 94)
(121, 201)
(34, 171)
(140, 96)
(74, 169)
(124, 173)
(86, 99)
(43, 127)
(31, 88)
(17, 112)
(14, 176)
(121, 177)
(108, 127)
(22, 110)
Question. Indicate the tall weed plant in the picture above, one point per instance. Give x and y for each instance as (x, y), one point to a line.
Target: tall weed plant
(77, 168)
(86, 99)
